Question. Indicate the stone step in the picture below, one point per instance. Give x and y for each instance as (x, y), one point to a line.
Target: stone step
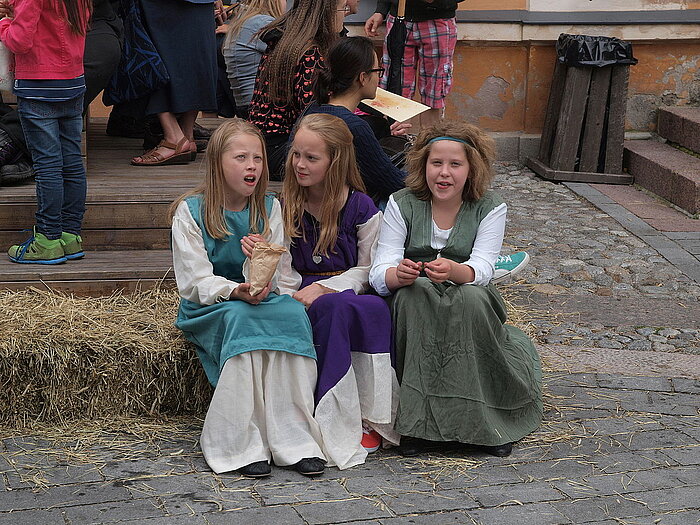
(681, 125)
(666, 171)
(98, 273)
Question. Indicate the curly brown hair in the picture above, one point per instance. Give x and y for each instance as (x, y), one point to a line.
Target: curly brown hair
(479, 148)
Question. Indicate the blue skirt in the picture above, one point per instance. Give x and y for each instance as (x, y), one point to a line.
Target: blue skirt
(183, 34)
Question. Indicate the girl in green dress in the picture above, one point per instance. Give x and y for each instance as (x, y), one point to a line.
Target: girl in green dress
(465, 375)
(257, 350)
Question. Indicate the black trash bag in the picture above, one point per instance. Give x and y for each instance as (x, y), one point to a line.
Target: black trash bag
(593, 51)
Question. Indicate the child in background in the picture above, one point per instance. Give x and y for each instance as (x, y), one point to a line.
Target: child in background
(48, 40)
(465, 375)
(256, 350)
(333, 227)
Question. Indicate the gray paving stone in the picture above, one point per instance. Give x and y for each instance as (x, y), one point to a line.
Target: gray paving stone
(32, 517)
(680, 498)
(684, 456)
(679, 518)
(666, 477)
(601, 485)
(342, 511)
(423, 502)
(442, 518)
(657, 384)
(145, 467)
(584, 447)
(282, 515)
(554, 470)
(198, 493)
(312, 490)
(539, 513)
(688, 386)
(658, 439)
(65, 475)
(630, 461)
(536, 492)
(62, 496)
(379, 485)
(482, 476)
(180, 519)
(622, 425)
(601, 508)
(113, 512)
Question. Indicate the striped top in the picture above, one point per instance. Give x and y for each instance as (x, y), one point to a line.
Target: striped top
(54, 90)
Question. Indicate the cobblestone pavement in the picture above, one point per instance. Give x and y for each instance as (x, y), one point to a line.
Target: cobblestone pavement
(618, 329)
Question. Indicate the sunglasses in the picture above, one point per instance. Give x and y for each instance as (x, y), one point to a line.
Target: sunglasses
(378, 70)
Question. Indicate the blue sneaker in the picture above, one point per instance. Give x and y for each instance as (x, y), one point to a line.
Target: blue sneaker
(38, 250)
(507, 266)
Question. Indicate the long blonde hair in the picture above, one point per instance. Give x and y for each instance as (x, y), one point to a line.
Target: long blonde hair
(249, 9)
(213, 186)
(342, 171)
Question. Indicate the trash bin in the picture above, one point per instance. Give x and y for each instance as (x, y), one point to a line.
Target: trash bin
(583, 134)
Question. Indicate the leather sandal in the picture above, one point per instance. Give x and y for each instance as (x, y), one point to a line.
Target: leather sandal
(182, 154)
(193, 150)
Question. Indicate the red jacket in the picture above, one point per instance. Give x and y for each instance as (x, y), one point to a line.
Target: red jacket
(42, 41)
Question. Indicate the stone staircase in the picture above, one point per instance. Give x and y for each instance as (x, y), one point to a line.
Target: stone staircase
(671, 169)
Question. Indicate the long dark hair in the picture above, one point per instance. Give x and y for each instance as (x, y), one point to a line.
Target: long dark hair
(346, 59)
(309, 23)
(77, 14)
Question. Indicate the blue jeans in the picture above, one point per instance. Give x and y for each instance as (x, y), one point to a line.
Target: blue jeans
(52, 131)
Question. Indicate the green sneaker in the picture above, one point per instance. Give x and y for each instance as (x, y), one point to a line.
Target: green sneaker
(507, 266)
(38, 250)
(72, 245)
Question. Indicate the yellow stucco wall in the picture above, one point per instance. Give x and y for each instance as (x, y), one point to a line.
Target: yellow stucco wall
(505, 87)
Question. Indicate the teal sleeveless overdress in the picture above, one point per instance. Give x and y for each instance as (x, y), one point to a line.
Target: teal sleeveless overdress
(226, 329)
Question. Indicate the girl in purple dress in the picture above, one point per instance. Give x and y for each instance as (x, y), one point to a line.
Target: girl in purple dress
(334, 226)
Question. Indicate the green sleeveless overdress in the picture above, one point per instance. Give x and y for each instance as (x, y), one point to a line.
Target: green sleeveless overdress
(465, 375)
(225, 329)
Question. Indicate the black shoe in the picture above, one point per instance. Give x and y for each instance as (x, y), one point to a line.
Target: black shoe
(201, 133)
(16, 173)
(9, 152)
(259, 469)
(500, 451)
(310, 466)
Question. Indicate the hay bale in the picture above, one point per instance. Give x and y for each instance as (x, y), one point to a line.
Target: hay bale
(64, 358)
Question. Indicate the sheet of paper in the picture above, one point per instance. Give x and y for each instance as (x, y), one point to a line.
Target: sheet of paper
(395, 106)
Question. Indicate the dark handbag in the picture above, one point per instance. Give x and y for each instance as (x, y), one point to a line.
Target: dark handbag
(141, 69)
(396, 149)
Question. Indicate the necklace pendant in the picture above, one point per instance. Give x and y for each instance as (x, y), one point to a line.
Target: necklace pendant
(316, 259)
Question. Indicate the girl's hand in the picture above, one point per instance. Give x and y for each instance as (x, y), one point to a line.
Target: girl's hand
(400, 128)
(248, 243)
(242, 293)
(407, 272)
(438, 270)
(309, 294)
(220, 12)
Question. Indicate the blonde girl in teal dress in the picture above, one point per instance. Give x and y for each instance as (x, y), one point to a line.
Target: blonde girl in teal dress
(465, 375)
(257, 351)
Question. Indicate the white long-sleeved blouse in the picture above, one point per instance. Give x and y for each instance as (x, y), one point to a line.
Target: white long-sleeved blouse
(194, 272)
(390, 249)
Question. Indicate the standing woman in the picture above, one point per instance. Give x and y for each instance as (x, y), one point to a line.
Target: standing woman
(183, 32)
(48, 40)
(297, 43)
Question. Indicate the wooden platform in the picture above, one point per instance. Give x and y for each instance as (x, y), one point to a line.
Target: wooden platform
(126, 228)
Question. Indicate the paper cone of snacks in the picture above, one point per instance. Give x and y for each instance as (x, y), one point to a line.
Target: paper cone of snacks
(263, 264)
